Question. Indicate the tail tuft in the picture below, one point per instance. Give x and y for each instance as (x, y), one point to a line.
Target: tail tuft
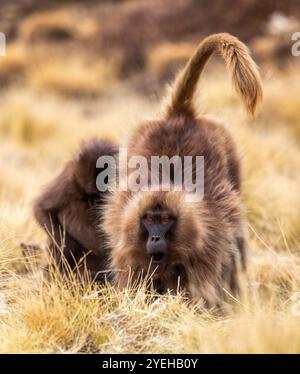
(244, 72)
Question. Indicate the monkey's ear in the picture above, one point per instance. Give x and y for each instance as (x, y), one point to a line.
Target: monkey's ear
(85, 171)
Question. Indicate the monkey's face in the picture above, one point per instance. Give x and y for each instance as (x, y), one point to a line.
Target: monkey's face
(158, 236)
(158, 228)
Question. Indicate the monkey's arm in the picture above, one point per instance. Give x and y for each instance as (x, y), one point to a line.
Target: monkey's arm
(81, 222)
(66, 218)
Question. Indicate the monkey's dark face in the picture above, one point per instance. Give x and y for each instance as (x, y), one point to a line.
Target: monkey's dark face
(158, 236)
(158, 229)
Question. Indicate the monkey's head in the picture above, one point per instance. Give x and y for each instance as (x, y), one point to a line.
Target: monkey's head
(157, 235)
(84, 164)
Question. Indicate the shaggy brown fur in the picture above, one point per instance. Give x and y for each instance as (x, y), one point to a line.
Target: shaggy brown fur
(209, 234)
(69, 212)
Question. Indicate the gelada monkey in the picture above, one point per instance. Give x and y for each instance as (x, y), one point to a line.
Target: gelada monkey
(69, 210)
(194, 246)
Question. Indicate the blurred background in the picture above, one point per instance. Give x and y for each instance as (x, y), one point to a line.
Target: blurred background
(78, 49)
(77, 69)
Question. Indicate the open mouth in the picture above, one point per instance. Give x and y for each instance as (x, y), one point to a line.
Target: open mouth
(157, 257)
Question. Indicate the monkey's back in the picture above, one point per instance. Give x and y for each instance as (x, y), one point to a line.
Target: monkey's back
(186, 136)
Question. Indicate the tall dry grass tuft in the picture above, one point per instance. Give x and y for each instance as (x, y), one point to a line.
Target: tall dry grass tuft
(75, 79)
(50, 26)
(14, 67)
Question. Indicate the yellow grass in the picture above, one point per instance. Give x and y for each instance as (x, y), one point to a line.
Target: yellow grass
(50, 25)
(38, 132)
(14, 66)
(74, 79)
(166, 58)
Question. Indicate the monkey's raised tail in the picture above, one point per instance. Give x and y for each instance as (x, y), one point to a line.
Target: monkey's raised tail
(245, 75)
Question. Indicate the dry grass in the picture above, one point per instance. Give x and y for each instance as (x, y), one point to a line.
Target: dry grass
(74, 79)
(52, 25)
(46, 71)
(40, 131)
(166, 59)
(14, 66)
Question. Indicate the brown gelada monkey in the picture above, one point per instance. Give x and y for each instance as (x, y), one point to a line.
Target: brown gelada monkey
(193, 246)
(69, 210)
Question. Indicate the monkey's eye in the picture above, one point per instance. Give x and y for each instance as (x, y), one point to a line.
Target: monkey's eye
(149, 219)
(165, 218)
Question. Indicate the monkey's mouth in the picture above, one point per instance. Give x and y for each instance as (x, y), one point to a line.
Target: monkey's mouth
(158, 262)
(157, 257)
